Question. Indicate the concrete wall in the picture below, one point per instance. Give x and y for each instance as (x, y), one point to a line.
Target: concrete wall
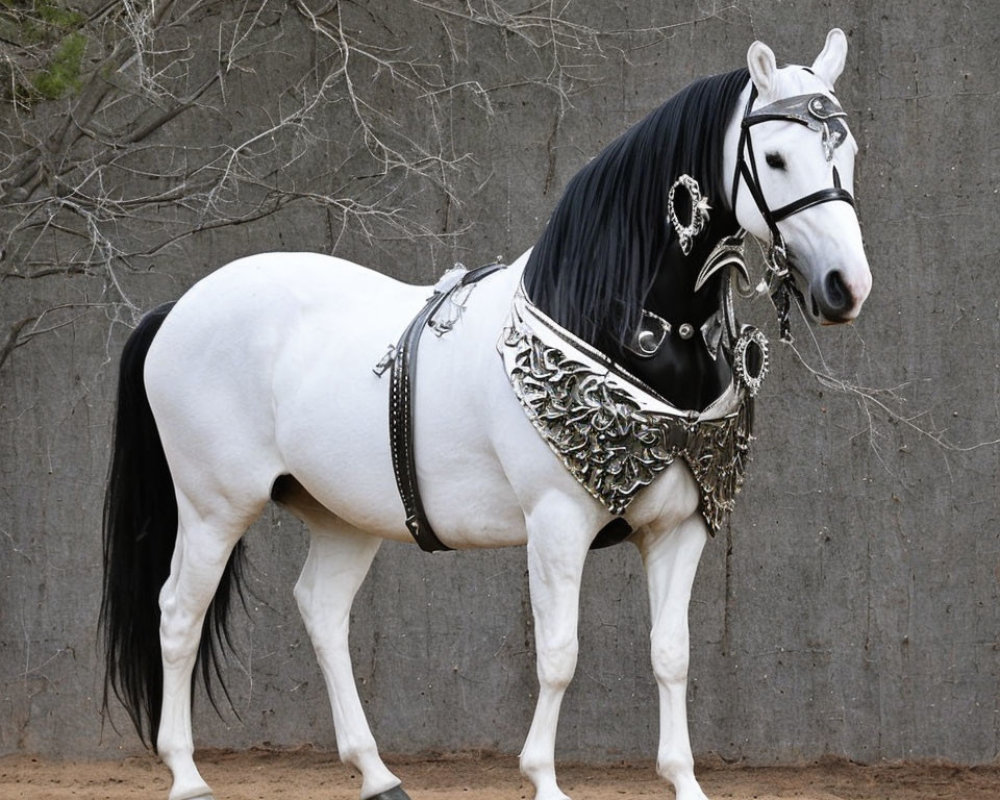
(851, 607)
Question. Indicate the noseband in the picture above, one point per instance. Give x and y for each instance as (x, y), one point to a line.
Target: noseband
(817, 112)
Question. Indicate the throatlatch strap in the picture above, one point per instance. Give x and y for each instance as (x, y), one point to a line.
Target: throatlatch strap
(402, 380)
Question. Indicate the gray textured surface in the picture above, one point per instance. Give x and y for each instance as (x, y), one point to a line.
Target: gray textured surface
(852, 606)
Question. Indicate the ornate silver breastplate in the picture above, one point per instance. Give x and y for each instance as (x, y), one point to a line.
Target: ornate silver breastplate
(612, 433)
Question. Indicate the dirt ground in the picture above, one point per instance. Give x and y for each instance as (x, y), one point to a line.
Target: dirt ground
(312, 775)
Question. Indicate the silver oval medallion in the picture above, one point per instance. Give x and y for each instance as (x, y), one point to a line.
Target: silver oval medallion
(699, 212)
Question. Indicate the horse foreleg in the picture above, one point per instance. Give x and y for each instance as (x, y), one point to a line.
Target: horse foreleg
(671, 559)
(339, 558)
(555, 569)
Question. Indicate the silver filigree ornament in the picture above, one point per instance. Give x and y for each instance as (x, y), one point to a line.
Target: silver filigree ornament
(699, 212)
(612, 435)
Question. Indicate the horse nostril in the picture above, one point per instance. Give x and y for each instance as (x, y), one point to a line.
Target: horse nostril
(838, 296)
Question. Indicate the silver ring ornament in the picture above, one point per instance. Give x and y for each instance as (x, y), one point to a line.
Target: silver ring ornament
(751, 359)
(699, 212)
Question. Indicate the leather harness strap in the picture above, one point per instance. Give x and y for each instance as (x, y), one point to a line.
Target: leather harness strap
(401, 384)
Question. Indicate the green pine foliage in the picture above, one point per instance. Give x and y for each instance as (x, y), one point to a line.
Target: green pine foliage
(63, 73)
(44, 50)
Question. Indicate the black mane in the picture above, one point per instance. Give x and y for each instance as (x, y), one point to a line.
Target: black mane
(609, 239)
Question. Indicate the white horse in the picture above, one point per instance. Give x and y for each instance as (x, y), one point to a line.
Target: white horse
(258, 385)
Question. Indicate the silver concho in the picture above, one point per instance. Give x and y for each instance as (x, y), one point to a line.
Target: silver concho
(699, 212)
(751, 359)
(652, 330)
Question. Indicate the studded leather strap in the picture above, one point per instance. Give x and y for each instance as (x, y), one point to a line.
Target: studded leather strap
(402, 381)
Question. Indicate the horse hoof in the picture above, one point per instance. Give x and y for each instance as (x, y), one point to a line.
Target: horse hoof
(395, 793)
(197, 794)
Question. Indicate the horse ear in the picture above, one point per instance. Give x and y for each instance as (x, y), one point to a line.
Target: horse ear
(763, 68)
(830, 63)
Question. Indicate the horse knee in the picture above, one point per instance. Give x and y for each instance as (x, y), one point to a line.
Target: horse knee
(670, 655)
(557, 663)
(353, 750)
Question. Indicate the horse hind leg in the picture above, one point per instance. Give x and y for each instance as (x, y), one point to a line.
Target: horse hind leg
(201, 553)
(339, 558)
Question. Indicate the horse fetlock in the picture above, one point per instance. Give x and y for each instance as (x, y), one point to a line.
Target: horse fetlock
(177, 752)
(188, 785)
(378, 782)
(678, 768)
(541, 773)
(376, 778)
(688, 790)
(356, 753)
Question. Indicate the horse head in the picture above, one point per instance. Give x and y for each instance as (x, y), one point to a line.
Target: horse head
(791, 158)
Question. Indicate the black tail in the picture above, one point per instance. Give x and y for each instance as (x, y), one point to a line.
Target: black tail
(140, 528)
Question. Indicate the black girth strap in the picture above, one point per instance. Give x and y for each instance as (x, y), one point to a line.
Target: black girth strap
(402, 380)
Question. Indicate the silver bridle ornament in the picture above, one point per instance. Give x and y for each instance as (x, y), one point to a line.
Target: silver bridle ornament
(751, 359)
(818, 112)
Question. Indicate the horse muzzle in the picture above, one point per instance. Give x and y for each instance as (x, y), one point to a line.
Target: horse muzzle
(834, 298)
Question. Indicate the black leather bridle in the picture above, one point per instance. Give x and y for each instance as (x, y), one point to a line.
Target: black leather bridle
(817, 112)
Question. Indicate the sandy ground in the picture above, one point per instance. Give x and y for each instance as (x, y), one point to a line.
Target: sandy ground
(311, 775)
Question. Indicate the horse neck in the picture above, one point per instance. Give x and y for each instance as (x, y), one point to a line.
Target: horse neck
(673, 297)
(683, 371)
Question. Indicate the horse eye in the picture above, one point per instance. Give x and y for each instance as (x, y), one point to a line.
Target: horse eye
(775, 160)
